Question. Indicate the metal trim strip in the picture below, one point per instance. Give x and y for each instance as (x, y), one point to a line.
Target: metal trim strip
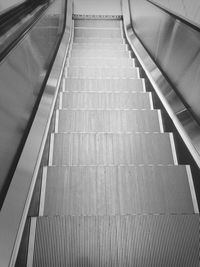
(43, 191)
(31, 242)
(192, 190)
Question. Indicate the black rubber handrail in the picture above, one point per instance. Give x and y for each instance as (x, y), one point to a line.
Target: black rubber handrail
(183, 20)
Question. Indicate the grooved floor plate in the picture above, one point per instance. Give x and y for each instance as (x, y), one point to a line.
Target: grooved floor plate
(117, 190)
(91, 72)
(108, 121)
(106, 100)
(104, 85)
(100, 33)
(108, 148)
(101, 62)
(153, 240)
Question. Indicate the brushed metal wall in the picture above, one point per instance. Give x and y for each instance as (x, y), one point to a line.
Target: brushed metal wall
(189, 9)
(8, 4)
(22, 74)
(174, 46)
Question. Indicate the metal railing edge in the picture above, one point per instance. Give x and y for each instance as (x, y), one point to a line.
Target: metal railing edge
(16, 205)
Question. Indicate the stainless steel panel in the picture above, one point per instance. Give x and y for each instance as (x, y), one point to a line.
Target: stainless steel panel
(16, 205)
(173, 45)
(22, 74)
(9, 4)
(143, 15)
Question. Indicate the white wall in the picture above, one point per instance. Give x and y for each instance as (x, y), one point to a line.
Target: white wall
(189, 9)
(97, 7)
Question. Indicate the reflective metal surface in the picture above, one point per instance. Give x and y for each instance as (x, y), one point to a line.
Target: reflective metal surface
(171, 49)
(25, 88)
(7, 5)
(174, 46)
(22, 74)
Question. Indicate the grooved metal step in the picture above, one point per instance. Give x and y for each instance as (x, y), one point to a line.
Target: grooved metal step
(117, 190)
(100, 53)
(110, 149)
(120, 47)
(100, 33)
(99, 73)
(145, 240)
(108, 121)
(97, 23)
(99, 40)
(103, 85)
(104, 100)
(101, 62)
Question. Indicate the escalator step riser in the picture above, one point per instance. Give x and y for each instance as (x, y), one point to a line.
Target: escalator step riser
(99, 62)
(87, 53)
(117, 190)
(99, 40)
(104, 85)
(108, 121)
(111, 149)
(106, 100)
(91, 23)
(98, 33)
(119, 47)
(102, 72)
(168, 240)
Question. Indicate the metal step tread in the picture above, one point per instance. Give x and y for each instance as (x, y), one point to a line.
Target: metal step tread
(99, 40)
(107, 121)
(106, 190)
(101, 62)
(102, 72)
(77, 46)
(89, 23)
(100, 53)
(145, 240)
(103, 85)
(106, 100)
(100, 33)
(111, 148)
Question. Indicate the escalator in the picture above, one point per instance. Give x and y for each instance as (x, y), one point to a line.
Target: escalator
(112, 191)
(104, 175)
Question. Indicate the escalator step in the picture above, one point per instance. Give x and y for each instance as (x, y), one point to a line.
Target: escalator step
(100, 46)
(101, 62)
(99, 40)
(90, 72)
(111, 149)
(108, 121)
(97, 23)
(117, 190)
(103, 85)
(99, 53)
(105, 100)
(145, 240)
(100, 33)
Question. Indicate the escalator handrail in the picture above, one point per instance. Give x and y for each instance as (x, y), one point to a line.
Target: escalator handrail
(16, 205)
(176, 15)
